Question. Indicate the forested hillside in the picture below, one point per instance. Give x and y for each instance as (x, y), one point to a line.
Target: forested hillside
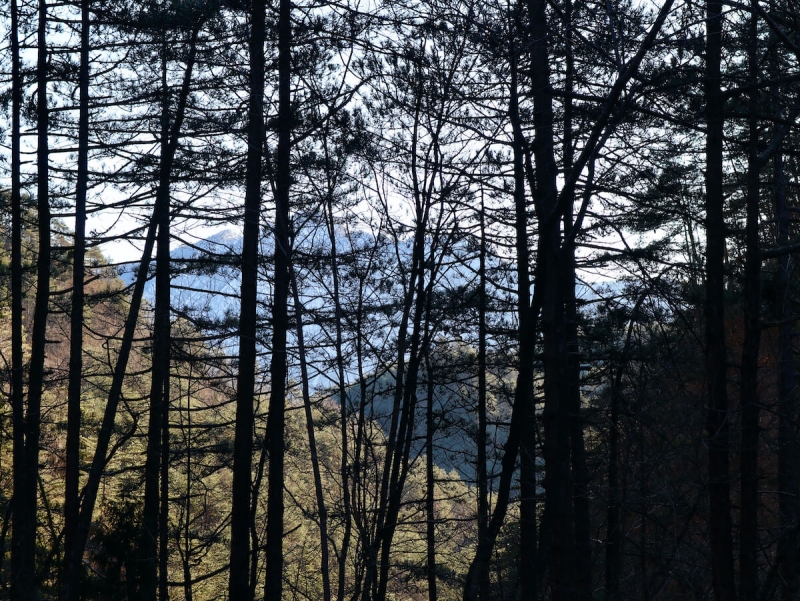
(382, 301)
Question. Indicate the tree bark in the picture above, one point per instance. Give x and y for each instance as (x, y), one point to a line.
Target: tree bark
(72, 476)
(614, 519)
(556, 416)
(312, 445)
(147, 563)
(17, 369)
(75, 559)
(163, 518)
(430, 483)
(748, 537)
(239, 579)
(721, 543)
(342, 384)
(580, 491)
(280, 322)
(481, 441)
(528, 577)
(26, 480)
(787, 382)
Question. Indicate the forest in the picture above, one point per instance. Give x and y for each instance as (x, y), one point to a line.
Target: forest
(367, 300)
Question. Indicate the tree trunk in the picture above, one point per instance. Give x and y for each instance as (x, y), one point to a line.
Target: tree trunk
(17, 369)
(23, 583)
(580, 492)
(721, 544)
(342, 384)
(312, 445)
(527, 477)
(430, 482)
(523, 395)
(787, 382)
(71, 588)
(748, 537)
(481, 439)
(72, 476)
(163, 518)
(239, 582)
(558, 502)
(147, 563)
(403, 402)
(280, 322)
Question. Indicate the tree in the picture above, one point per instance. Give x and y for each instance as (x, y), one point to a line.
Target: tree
(240, 585)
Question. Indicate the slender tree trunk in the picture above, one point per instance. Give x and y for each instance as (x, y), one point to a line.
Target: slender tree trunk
(613, 532)
(580, 470)
(613, 521)
(523, 394)
(23, 583)
(528, 531)
(542, 91)
(558, 502)
(405, 432)
(17, 375)
(644, 586)
(430, 482)
(187, 550)
(480, 472)
(787, 383)
(359, 471)
(72, 476)
(254, 499)
(376, 576)
(280, 322)
(147, 563)
(580, 492)
(239, 583)
(748, 537)
(716, 367)
(163, 518)
(71, 589)
(344, 469)
(312, 445)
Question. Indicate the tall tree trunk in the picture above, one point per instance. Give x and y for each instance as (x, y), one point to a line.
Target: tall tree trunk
(527, 477)
(147, 563)
(17, 375)
(239, 582)
(594, 141)
(613, 521)
(403, 402)
(748, 537)
(359, 463)
(787, 382)
(716, 367)
(558, 502)
(342, 384)
(72, 476)
(644, 583)
(523, 397)
(481, 439)
(405, 431)
(163, 517)
(580, 492)
(23, 583)
(187, 537)
(280, 322)
(430, 484)
(312, 445)
(75, 560)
